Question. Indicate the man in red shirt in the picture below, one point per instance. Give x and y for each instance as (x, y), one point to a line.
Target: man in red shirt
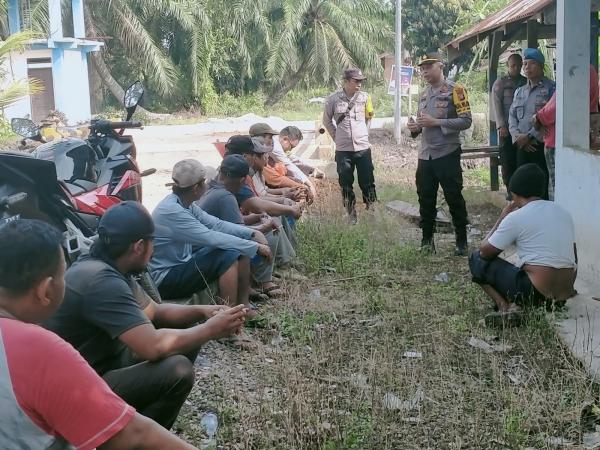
(51, 398)
(546, 119)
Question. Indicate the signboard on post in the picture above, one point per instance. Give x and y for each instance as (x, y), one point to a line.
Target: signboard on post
(406, 75)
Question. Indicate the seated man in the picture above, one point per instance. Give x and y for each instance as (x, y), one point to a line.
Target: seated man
(248, 198)
(136, 345)
(193, 248)
(279, 155)
(219, 201)
(544, 236)
(289, 139)
(51, 397)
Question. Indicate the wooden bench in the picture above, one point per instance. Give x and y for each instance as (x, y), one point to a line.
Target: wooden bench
(491, 152)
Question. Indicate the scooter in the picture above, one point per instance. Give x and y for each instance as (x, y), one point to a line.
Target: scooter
(100, 171)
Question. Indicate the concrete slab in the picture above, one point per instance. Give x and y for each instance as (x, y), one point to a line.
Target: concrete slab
(580, 331)
(411, 212)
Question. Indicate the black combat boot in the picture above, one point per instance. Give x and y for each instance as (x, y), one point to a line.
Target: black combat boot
(462, 247)
(427, 244)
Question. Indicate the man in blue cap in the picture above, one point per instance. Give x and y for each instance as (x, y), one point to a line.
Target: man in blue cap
(528, 100)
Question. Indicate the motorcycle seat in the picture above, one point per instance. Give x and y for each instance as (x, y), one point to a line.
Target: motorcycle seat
(74, 189)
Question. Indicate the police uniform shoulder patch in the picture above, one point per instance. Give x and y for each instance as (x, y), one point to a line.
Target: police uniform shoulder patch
(461, 99)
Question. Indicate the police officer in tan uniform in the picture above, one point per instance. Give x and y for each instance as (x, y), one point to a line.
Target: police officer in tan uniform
(444, 111)
(528, 100)
(503, 92)
(347, 117)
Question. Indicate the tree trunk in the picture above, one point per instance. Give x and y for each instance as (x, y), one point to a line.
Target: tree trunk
(290, 84)
(114, 87)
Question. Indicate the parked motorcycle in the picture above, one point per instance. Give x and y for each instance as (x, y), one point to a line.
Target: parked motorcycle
(100, 171)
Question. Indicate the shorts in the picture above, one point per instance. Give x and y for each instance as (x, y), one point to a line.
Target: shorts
(205, 266)
(510, 281)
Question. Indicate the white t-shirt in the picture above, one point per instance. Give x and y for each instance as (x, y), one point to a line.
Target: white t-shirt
(543, 233)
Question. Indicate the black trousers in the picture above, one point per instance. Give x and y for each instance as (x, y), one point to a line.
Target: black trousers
(509, 281)
(432, 173)
(537, 157)
(362, 161)
(508, 159)
(155, 389)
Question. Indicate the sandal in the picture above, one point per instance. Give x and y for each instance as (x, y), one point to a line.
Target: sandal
(258, 297)
(273, 291)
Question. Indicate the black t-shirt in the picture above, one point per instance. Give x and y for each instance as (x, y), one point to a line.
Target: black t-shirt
(219, 202)
(100, 304)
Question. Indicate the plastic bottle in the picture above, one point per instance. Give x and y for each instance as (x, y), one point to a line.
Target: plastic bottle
(210, 424)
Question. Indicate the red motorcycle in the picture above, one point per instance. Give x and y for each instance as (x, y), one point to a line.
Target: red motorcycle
(100, 171)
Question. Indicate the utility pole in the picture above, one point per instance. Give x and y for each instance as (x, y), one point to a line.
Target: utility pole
(398, 63)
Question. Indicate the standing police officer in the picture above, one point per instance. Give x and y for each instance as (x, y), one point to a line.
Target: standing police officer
(503, 92)
(347, 117)
(529, 99)
(444, 111)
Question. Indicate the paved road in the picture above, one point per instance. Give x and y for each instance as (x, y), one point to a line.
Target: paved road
(161, 146)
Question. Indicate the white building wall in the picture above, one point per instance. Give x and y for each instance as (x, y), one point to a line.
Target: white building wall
(578, 190)
(577, 167)
(15, 68)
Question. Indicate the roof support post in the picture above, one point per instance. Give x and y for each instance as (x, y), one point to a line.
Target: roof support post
(595, 28)
(494, 47)
(532, 35)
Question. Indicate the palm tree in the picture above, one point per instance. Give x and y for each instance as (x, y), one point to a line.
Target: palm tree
(16, 89)
(318, 38)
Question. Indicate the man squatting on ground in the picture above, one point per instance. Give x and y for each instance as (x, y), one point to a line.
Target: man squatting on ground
(347, 116)
(444, 111)
(50, 396)
(544, 236)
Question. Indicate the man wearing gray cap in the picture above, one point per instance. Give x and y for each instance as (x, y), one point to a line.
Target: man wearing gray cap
(347, 116)
(529, 99)
(199, 248)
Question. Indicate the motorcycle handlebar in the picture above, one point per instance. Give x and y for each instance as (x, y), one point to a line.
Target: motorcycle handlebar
(124, 125)
(106, 126)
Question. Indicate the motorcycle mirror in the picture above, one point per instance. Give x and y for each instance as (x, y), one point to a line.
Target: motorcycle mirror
(25, 127)
(133, 95)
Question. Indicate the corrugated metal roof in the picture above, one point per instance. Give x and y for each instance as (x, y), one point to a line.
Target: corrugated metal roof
(517, 11)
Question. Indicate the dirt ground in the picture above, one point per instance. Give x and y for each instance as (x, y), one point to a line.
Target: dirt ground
(384, 348)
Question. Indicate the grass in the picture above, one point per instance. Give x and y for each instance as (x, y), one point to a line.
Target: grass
(323, 365)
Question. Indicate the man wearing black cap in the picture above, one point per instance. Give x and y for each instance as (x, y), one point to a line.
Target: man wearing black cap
(444, 111)
(544, 236)
(108, 318)
(528, 100)
(346, 117)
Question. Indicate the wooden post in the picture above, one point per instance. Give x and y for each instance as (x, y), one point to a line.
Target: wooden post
(532, 35)
(595, 28)
(494, 48)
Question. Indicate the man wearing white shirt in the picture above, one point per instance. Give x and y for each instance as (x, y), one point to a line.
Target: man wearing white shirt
(544, 236)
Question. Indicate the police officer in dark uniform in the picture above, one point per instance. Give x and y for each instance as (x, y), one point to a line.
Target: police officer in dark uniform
(503, 92)
(444, 111)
